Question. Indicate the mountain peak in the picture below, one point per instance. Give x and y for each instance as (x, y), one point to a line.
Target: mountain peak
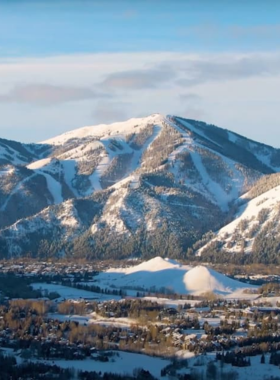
(149, 185)
(104, 130)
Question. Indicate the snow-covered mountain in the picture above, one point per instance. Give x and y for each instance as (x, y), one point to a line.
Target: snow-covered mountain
(254, 233)
(145, 186)
(16, 153)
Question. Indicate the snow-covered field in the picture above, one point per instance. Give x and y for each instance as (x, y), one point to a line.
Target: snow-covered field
(126, 363)
(120, 363)
(67, 292)
(256, 371)
(96, 319)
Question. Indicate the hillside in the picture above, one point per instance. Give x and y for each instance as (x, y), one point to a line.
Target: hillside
(142, 187)
(167, 275)
(254, 233)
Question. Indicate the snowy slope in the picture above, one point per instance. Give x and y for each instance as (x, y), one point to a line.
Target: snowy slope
(93, 151)
(202, 279)
(256, 214)
(105, 130)
(210, 171)
(159, 274)
(93, 159)
(16, 153)
(158, 183)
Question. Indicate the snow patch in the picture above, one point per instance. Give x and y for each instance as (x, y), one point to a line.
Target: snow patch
(39, 164)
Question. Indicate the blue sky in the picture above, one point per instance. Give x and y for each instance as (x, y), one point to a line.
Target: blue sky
(76, 26)
(69, 63)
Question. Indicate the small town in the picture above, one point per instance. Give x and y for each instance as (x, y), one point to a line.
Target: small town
(53, 314)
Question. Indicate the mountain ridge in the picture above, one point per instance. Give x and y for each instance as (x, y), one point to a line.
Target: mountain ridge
(254, 233)
(140, 187)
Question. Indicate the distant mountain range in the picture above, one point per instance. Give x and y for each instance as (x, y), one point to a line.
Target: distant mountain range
(144, 187)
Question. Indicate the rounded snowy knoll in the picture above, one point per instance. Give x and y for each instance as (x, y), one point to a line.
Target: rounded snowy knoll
(154, 265)
(201, 279)
(158, 274)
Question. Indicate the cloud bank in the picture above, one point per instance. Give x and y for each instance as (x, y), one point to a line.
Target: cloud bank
(47, 95)
(235, 91)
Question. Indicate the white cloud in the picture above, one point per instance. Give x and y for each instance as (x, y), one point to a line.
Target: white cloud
(235, 91)
(198, 71)
(190, 97)
(109, 112)
(139, 79)
(45, 94)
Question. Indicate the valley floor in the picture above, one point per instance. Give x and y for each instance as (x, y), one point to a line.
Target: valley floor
(107, 322)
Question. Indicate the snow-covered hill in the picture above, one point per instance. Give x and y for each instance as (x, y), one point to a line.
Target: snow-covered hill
(168, 275)
(255, 228)
(144, 186)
